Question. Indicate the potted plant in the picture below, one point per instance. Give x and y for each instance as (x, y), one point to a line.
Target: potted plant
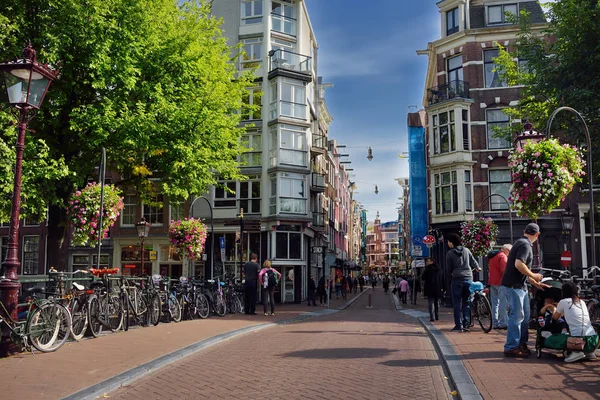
(188, 237)
(542, 174)
(83, 212)
(479, 235)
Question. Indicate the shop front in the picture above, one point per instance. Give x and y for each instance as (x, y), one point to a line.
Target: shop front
(159, 258)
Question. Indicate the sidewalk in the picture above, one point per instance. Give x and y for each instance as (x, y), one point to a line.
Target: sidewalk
(78, 365)
(498, 377)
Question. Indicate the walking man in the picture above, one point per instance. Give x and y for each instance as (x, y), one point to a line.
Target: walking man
(312, 288)
(497, 265)
(251, 269)
(460, 262)
(520, 258)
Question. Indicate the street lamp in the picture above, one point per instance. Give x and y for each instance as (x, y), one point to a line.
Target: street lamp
(26, 82)
(567, 220)
(143, 229)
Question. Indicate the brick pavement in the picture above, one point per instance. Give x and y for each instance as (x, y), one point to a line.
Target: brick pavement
(358, 353)
(78, 365)
(498, 377)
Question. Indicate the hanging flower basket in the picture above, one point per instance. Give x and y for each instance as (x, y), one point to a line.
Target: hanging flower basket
(83, 212)
(188, 237)
(479, 235)
(542, 174)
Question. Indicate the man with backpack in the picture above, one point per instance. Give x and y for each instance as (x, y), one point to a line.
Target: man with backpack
(251, 273)
(268, 278)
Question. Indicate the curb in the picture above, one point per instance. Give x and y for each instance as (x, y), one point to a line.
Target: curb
(354, 299)
(458, 374)
(131, 375)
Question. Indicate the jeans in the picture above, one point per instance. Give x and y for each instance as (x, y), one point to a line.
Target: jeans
(403, 297)
(434, 304)
(498, 300)
(250, 297)
(460, 302)
(518, 317)
(268, 295)
(338, 289)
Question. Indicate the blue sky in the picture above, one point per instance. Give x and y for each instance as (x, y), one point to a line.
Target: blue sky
(369, 54)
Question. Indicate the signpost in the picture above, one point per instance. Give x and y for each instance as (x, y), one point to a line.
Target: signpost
(222, 246)
(565, 258)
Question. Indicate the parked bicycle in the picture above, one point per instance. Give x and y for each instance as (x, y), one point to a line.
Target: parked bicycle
(216, 299)
(105, 308)
(193, 304)
(75, 299)
(480, 308)
(171, 308)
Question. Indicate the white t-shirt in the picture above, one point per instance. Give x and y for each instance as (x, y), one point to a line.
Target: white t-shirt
(577, 317)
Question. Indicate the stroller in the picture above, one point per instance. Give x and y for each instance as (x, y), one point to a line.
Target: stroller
(545, 325)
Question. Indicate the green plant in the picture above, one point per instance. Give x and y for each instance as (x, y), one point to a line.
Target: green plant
(542, 174)
(188, 236)
(479, 235)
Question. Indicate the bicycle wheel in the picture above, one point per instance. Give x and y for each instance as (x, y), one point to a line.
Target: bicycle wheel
(125, 306)
(79, 317)
(202, 306)
(239, 307)
(220, 306)
(154, 310)
(174, 308)
(115, 311)
(94, 324)
(49, 327)
(484, 311)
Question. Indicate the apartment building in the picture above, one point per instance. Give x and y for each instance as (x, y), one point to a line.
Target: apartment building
(464, 100)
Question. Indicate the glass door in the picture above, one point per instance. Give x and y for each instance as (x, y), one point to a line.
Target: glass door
(287, 282)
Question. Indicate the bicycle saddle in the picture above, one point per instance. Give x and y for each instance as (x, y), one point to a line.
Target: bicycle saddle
(78, 286)
(36, 289)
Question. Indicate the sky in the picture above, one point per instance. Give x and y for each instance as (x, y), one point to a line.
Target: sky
(369, 55)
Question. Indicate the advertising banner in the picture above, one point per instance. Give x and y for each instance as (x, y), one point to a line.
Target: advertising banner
(419, 215)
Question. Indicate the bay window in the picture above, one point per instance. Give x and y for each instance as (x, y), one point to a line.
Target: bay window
(253, 142)
(444, 132)
(288, 193)
(288, 99)
(446, 193)
(499, 184)
(496, 119)
(283, 18)
(288, 145)
(252, 12)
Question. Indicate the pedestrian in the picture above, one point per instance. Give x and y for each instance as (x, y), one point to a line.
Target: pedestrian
(349, 280)
(460, 262)
(251, 269)
(361, 282)
(321, 291)
(518, 270)
(373, 280)
(410, 280)
(432, 278)
(312, 288)
(386, 283)
(355, 284)
(330, 283)
(403, 288)
(496, 266)
(269, 278)
(343, 283)
(338, 286)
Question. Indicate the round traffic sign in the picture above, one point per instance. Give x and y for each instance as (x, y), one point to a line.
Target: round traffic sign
(565, 258)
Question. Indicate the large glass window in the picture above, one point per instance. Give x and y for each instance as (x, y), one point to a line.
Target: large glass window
(253, 142)
(288, 99)
(499, 184)
(492, 79)
(31, 250)
(253, 48)
(252, 11)
(154, 213)
(225, 194)
(452, 21)
(283, 18)
(446, 193)
(250, 195)
(292, 194)
(291, 148)
(288, 242)
(455, 69)
(444, 132)
(497, 13)
(496, 119)
(254, 98)
(128, 215)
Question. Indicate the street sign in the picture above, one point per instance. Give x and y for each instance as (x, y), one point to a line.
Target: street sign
(222, 245)
(565, 258)
(429, 240)
(317, 249)
(417, 251)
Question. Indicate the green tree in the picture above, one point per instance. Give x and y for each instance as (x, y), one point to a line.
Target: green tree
(559, 68)
(153, 81)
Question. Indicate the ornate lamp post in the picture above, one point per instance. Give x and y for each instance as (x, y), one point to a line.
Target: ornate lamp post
(567, 220)
(26, 83)
(143, 229)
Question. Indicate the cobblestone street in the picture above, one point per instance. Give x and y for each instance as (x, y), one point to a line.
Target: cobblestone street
(358, 353)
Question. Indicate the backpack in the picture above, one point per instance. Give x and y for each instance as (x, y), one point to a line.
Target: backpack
(271, 280)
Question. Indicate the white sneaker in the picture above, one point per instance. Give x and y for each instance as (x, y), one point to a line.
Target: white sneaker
(590, 356)
(575, 356)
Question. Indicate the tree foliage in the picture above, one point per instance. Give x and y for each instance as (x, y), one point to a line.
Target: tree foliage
(153, 81)
(561, 69)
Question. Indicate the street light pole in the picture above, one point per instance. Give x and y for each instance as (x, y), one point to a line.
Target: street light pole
(212, 231)
(510, 220)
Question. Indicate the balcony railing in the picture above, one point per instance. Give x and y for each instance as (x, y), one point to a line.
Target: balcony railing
(319, 142)
(449, 91)
(318, 220)
(318, 182)
(288, 60)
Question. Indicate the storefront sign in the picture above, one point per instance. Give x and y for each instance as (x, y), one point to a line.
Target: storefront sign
(153, 255)
(129, 266)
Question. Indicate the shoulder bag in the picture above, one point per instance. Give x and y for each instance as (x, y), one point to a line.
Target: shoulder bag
(576, 343)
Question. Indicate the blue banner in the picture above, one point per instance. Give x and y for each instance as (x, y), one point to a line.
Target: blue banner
(419, 215)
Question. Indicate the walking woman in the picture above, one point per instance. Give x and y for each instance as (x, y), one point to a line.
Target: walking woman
(268, 279)
(433, 287)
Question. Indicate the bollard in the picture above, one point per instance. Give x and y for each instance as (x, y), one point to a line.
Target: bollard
(369, 306)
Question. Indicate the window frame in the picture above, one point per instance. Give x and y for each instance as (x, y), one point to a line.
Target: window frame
(252, 43)
(278, 91)
(283, 18)
(155, 215)
(287, 231)
(252, 140)
(503, 12)
(486, 64)
(440, 186)
(497, 204)
(468, 192)
(179, 205)
(278, 149)
(298, 204)
(450, 125)
(489, 130)
(253, 18)
(228, 200)
(254, 94)
(128, 207)
(35, 260)
(454, 13)
(252, 181)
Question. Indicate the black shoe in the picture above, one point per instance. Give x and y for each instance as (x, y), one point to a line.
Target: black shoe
(437, 318)
(465, 330)
(456, 329)
(431, 319)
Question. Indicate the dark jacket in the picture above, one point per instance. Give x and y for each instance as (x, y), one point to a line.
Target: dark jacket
(433, 281)
(311, 285)
(321, 286)
(460, 262)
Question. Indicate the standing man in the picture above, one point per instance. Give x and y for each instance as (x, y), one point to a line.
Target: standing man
(461, 263)
(517, 271)
(497, 265)
(251, 269)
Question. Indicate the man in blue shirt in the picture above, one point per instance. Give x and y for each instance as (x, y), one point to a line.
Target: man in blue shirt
(517, 271)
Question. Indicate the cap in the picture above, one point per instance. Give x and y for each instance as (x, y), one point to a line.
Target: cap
(532, 229)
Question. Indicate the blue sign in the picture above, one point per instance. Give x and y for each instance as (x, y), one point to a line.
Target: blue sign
(419, 216)
(222, 242)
